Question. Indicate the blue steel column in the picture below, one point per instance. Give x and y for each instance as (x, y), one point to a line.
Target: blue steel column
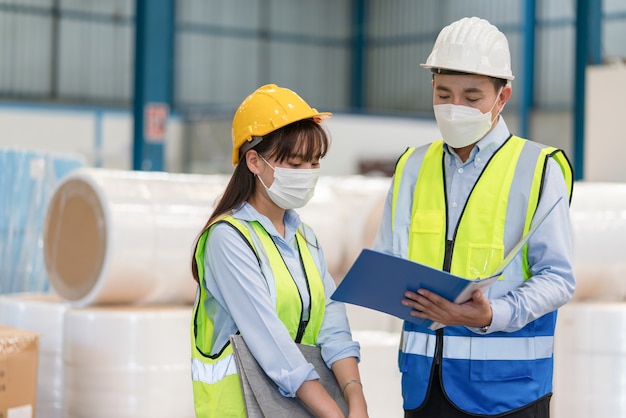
(357, 85)
(595, 32)
(154, 45)
(528, 65)
(588, 38)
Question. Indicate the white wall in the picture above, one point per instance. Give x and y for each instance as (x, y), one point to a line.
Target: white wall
(103, 137)
(108, 142)
(605, 140)
(356, 137)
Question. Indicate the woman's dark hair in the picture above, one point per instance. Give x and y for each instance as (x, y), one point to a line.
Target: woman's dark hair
(305, 139)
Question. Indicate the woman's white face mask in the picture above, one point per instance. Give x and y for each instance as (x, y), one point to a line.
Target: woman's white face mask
(461, 126)
(292, 187)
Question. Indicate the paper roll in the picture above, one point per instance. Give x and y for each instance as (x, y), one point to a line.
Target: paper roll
(128, 362)
(344, 214)
(126, 237)
(362, 200)
(325, 217)
(598, 220)
(590, 361)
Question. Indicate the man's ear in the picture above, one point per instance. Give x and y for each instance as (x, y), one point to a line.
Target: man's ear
(505, 95)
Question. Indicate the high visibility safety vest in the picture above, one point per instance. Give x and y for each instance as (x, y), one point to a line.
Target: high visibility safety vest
(215, 381)
(481, 374)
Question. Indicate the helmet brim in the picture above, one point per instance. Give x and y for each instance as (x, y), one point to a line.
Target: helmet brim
(464, 70)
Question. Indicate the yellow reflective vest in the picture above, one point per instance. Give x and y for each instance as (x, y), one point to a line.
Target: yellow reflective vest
(215, 381)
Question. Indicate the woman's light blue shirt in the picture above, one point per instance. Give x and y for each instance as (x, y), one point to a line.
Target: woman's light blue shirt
(240, 299)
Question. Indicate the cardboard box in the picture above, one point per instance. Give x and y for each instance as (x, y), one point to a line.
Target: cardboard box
(19, 351)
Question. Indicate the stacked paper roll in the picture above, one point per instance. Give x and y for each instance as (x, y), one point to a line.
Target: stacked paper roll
(43, 314)
(324, 215)
(345, 214)
(361, 200)
(126, 237)
(598, 221)
(127, 362)
(590, 361)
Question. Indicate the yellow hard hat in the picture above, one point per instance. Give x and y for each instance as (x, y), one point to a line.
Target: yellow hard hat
(267, 109)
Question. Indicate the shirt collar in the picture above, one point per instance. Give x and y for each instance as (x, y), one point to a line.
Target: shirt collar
(247, 212)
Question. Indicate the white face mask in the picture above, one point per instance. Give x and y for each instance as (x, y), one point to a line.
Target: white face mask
(462, 125)
(292, 187)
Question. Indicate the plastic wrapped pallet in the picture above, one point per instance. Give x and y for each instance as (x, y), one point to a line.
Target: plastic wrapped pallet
(27, 179)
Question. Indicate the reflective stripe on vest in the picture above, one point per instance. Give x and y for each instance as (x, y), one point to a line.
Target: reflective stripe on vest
(215, 378)
(492, 221)
(212, 372)
(465, 347)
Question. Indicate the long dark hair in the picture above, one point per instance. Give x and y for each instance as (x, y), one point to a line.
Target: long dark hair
(305, 139)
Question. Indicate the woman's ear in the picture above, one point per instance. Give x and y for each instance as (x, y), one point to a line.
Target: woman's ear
(252, 160)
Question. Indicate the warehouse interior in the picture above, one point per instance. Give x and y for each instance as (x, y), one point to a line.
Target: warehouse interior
(125, 108)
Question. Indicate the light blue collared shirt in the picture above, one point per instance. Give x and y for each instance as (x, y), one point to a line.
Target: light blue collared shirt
(240, 299)
(549, 249)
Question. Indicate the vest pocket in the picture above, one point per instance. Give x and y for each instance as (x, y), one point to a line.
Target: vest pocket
(426, 236)
(483, 259)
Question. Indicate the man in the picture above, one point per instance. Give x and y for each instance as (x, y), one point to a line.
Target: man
(460, 205)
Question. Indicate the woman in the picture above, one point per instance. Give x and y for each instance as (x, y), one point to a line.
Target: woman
(261, 272)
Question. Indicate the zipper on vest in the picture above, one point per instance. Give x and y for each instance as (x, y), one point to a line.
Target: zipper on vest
(439, 347)
(447, 258)
(447, 264)
(301, 330)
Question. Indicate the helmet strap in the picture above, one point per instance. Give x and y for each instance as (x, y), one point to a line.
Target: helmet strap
(253, 142)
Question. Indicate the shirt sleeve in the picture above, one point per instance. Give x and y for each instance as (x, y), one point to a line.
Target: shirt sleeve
(549, 256)
(236, 281)
(384, 236)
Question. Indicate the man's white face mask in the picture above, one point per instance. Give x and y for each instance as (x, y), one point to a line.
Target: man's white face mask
(461, 126)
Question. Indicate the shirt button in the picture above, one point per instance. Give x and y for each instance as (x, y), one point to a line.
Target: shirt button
(454, 205)
(477, 160)
(460, 170)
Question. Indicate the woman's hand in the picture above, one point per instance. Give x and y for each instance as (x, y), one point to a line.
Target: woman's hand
(315, 397)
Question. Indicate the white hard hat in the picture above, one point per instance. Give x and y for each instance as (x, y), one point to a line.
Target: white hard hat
(472, 45)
